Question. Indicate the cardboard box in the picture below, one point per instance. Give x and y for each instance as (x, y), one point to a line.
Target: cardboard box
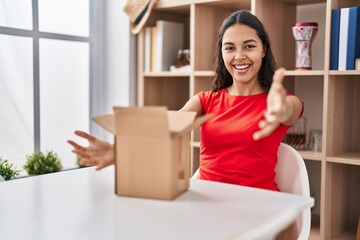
(152, 150)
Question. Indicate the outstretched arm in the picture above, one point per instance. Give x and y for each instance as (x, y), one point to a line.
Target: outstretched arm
(280, 107)
(99, 152)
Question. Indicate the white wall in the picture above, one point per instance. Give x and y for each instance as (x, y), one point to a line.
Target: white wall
(117, 43)
(118, 63)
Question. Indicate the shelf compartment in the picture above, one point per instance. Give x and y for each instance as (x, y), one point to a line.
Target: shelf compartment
(344, 3)
(348, 235)
(172, 92)
(310, 90)
(179, 7)
(343, 131)
(202, 84)
(315, 227)
(314, 173)
(342, 207)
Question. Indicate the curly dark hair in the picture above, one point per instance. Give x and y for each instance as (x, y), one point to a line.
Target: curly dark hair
(223, 78)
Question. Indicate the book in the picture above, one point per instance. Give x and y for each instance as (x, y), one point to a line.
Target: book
(343, 38)
(357, 64)
(169, 39)
(334, 39)
(353, 44)
(147, 49)
(153, 48)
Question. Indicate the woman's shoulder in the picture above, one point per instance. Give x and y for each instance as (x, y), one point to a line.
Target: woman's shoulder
(210, 94)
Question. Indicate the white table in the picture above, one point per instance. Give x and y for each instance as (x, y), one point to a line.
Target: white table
(81, 204)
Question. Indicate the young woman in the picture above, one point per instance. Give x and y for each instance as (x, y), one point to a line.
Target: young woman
(251, 109)
(251, 112)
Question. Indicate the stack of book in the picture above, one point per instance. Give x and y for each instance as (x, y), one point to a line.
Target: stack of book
(345, 38)
(162, 43)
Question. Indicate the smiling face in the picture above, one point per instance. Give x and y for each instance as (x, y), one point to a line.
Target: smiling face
(242, 52)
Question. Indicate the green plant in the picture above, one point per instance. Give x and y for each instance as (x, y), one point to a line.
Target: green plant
(40, 163)
(7, 171)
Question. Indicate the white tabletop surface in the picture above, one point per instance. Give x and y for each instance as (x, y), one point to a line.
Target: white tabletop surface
(81, 204)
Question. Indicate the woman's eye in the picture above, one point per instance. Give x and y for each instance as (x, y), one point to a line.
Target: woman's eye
(249, 46)
(228, 48)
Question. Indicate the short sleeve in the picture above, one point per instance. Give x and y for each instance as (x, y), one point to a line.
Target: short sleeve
(203, 96)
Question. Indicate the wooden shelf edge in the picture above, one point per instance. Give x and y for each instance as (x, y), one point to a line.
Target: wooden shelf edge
(304, 72)
(163, 4)
(167, 74)
(310, 155)
(352, 158)
(347, 72)
(195, 144)
(204, 73)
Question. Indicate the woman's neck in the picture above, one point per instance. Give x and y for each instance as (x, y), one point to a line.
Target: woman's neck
(244, 89)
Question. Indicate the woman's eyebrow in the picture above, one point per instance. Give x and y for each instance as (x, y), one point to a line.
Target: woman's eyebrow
(250, 40)
(246, 41)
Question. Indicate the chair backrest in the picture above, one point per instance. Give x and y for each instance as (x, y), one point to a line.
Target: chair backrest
(291, 177)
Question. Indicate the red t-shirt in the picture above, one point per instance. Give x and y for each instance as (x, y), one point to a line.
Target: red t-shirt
(228, 152)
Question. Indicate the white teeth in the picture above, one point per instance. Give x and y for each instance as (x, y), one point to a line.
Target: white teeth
(241, 67)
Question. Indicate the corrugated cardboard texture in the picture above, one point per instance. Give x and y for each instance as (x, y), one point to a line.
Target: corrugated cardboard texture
(152, 150)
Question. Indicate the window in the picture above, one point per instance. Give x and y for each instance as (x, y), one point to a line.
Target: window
(45, 77)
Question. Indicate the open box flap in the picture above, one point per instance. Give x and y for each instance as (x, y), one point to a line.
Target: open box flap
(106, 121)
(141, 121)
(149, 121)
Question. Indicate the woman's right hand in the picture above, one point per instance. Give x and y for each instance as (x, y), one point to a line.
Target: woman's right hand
(99, 152)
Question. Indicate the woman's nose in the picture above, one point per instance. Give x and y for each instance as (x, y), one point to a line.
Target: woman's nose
(240, 56)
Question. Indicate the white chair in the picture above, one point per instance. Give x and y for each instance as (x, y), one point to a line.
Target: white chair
(291, 177)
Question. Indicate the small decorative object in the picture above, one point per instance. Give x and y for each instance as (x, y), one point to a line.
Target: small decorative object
(315, 140)
(304, 34)
(39, 163)
(357, 64)
(296, 135)
(182, 61)
(7, 171)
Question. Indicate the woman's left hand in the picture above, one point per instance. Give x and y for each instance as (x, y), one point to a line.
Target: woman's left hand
(277, 107)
